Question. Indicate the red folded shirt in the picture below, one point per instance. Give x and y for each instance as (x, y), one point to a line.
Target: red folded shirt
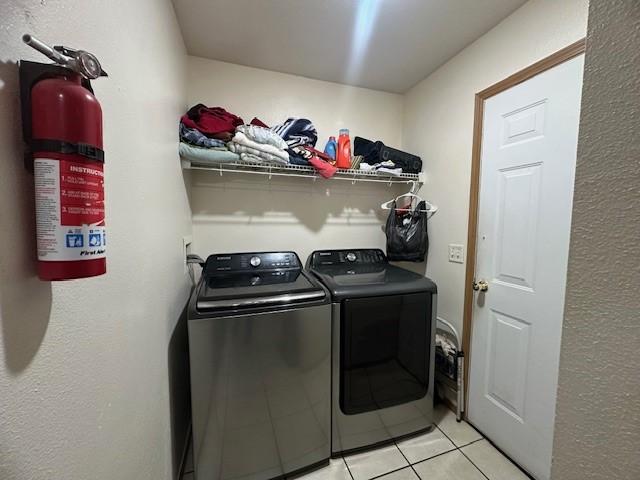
(212, 121)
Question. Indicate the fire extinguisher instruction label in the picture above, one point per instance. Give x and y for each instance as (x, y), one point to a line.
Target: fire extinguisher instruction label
(69, 210)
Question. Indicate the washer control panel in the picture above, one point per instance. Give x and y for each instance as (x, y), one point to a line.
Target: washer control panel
(259, 261)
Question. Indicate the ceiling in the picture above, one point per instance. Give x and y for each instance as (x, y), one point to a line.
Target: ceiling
(387, 45)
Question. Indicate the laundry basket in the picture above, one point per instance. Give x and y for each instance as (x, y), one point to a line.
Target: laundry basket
(450, 363)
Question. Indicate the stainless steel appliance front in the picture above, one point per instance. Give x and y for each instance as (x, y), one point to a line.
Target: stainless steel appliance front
(261, 392)
(364, 430)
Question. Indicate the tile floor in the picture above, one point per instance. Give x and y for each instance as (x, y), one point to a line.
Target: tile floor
(452, 451)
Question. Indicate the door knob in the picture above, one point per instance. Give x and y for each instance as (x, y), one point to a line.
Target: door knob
(481, 286)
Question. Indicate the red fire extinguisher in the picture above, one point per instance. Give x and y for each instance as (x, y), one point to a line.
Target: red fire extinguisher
(68, 160)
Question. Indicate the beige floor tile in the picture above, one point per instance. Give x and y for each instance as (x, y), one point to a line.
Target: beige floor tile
(460, 433)
(449, 466)
(492, 463)
(425, 446)
(336, 470)
(404, 474)
(366, 465)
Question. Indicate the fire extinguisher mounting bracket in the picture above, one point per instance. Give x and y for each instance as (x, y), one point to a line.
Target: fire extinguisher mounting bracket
(88, 151)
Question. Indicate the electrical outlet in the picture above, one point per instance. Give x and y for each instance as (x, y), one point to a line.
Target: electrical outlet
(456, 253)
(186, 249)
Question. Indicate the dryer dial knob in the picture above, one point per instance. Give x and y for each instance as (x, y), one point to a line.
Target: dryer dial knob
(351, 257)
(255, 261)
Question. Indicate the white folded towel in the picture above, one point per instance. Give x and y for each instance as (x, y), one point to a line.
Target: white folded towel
(262, 135)
(264, 156)
(242, 139)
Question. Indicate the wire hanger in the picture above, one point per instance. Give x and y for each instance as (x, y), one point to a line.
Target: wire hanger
(430, 209)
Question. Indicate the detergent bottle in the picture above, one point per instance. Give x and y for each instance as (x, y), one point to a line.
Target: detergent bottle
(331, 147)
(344, 149)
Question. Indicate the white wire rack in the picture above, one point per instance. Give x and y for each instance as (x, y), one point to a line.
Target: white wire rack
(301, 171)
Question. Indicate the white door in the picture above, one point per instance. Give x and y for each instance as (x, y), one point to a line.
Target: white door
(529, 141)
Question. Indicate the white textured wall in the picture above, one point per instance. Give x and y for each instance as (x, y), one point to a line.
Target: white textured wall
(244, 213)
(438, 123)
(597, 432)
(84, 388)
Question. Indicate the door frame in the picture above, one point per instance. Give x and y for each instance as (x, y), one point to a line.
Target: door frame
(521, 76)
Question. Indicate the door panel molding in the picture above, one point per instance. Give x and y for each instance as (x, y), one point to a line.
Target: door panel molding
(543, 65)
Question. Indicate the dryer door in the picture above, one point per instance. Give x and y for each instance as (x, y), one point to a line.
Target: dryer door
(384, 351)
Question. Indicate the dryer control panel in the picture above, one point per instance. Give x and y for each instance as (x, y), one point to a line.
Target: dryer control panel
(346, 257)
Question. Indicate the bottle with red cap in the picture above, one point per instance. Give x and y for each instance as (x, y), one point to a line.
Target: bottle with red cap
(343, 159)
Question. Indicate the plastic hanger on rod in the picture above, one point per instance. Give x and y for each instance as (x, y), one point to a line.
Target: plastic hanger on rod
(412, 195)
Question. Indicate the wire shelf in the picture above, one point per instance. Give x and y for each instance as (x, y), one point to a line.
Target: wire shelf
(302, 171)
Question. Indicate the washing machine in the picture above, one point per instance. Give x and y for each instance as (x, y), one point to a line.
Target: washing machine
(260, 358)
(383, 319)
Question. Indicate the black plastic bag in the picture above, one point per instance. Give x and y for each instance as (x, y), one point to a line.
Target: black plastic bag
(407, 238)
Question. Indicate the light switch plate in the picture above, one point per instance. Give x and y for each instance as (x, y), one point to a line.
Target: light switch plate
(456, 253)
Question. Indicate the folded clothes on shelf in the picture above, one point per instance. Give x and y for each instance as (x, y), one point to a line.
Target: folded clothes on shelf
(241, 149)
(197, 138)
(214, 135)
(209, 156)
(213, 122)
(374, 152)
(251, 158)
(297, 132)
(264, 135)
(268, 152)
(308, 155)
(383, 168)
(324, 168)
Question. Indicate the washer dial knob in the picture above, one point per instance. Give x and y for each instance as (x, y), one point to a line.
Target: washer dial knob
(255, 261)
(351, 257)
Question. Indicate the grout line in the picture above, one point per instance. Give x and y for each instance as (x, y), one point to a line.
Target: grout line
(499, 450)
(434, 456)
(506, 457)
(482, 437)
(348, 469)
(478, 468)
(405, 457)
(471, 443)
(448, 437)
(465, 456)
(390, 472)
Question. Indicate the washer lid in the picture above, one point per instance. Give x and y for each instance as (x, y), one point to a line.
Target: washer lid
(240, 290)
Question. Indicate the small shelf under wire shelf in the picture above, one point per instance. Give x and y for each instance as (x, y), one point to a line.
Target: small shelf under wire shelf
(302, 171)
